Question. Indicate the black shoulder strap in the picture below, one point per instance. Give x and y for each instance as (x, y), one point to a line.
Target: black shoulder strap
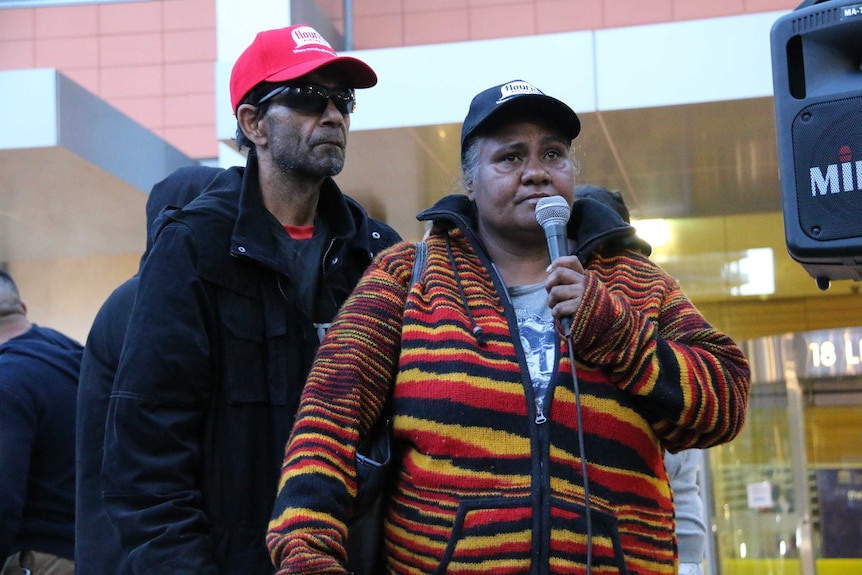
(419, 262)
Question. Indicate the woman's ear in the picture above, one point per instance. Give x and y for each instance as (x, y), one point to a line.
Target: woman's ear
(251, 124)
(469, 188)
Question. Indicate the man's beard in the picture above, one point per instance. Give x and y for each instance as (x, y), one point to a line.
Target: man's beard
(329, 166)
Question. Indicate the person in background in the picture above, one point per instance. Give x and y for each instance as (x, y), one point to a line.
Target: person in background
(508, 464)
(38, 382)
(231, 304)
(97, 548)
(682, 467)
(691, 534)
(611, 198)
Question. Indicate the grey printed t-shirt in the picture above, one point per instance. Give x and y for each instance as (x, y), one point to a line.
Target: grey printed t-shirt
(537, 333)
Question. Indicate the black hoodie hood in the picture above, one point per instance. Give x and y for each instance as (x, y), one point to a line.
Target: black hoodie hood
(48, 346)
(175, 191)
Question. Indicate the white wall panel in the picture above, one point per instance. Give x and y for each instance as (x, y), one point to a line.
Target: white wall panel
(28, 108)
(685, 62)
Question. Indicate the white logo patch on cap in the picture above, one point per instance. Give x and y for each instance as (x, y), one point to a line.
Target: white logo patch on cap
(308, 37)
(513, 89)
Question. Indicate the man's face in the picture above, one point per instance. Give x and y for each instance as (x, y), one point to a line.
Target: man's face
(519, 163)
(307, 142)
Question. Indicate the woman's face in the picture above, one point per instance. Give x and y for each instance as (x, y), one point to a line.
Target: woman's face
(518, 164)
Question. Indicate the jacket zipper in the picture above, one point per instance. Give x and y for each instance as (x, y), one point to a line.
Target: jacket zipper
(540, 413)
(544, 490)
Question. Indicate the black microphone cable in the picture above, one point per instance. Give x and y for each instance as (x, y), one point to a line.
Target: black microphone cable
(576, 388)
(552, 213)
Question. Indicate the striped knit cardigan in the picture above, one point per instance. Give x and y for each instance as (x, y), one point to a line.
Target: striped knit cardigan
(481, 485)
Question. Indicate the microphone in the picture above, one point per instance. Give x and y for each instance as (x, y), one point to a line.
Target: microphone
(553, 213)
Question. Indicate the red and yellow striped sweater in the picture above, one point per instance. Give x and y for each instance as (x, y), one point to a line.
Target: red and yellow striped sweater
(481, 486)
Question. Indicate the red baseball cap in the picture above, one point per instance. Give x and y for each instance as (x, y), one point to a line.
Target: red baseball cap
(288, 53)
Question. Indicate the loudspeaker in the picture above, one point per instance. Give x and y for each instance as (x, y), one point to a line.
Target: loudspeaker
(817, 82)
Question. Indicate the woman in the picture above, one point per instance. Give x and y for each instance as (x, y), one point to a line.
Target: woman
(477, 373)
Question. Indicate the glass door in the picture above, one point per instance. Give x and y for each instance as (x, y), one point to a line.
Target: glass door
(785, 497)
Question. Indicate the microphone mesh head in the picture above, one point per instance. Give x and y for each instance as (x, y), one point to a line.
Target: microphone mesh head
(552, 210)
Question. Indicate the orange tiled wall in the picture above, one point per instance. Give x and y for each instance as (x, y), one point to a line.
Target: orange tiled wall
(389, 23)
(155, 60)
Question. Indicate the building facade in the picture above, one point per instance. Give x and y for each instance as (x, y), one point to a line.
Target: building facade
(103, 99)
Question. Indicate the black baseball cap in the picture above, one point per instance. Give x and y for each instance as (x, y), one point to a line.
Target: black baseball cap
(515, 97)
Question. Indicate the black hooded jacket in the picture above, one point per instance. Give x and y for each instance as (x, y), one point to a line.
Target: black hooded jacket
(216, 354)
(38, 377)
(97, 547)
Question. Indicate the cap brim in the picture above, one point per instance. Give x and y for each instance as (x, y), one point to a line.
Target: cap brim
(357, 74)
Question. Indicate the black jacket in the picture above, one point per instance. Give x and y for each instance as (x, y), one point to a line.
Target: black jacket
(38, 381)
(97, 547)
(215, 357)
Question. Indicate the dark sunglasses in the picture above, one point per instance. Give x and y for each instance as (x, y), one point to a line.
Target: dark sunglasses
(312, 99)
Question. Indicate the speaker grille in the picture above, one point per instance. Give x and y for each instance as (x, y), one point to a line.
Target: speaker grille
(827, 159)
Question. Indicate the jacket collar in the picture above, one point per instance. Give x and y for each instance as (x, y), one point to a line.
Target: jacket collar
(345, 218)
(591, 226)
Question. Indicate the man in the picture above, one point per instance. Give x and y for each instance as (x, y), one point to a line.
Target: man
(38, 382)
(97, 548)
(231, 304)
